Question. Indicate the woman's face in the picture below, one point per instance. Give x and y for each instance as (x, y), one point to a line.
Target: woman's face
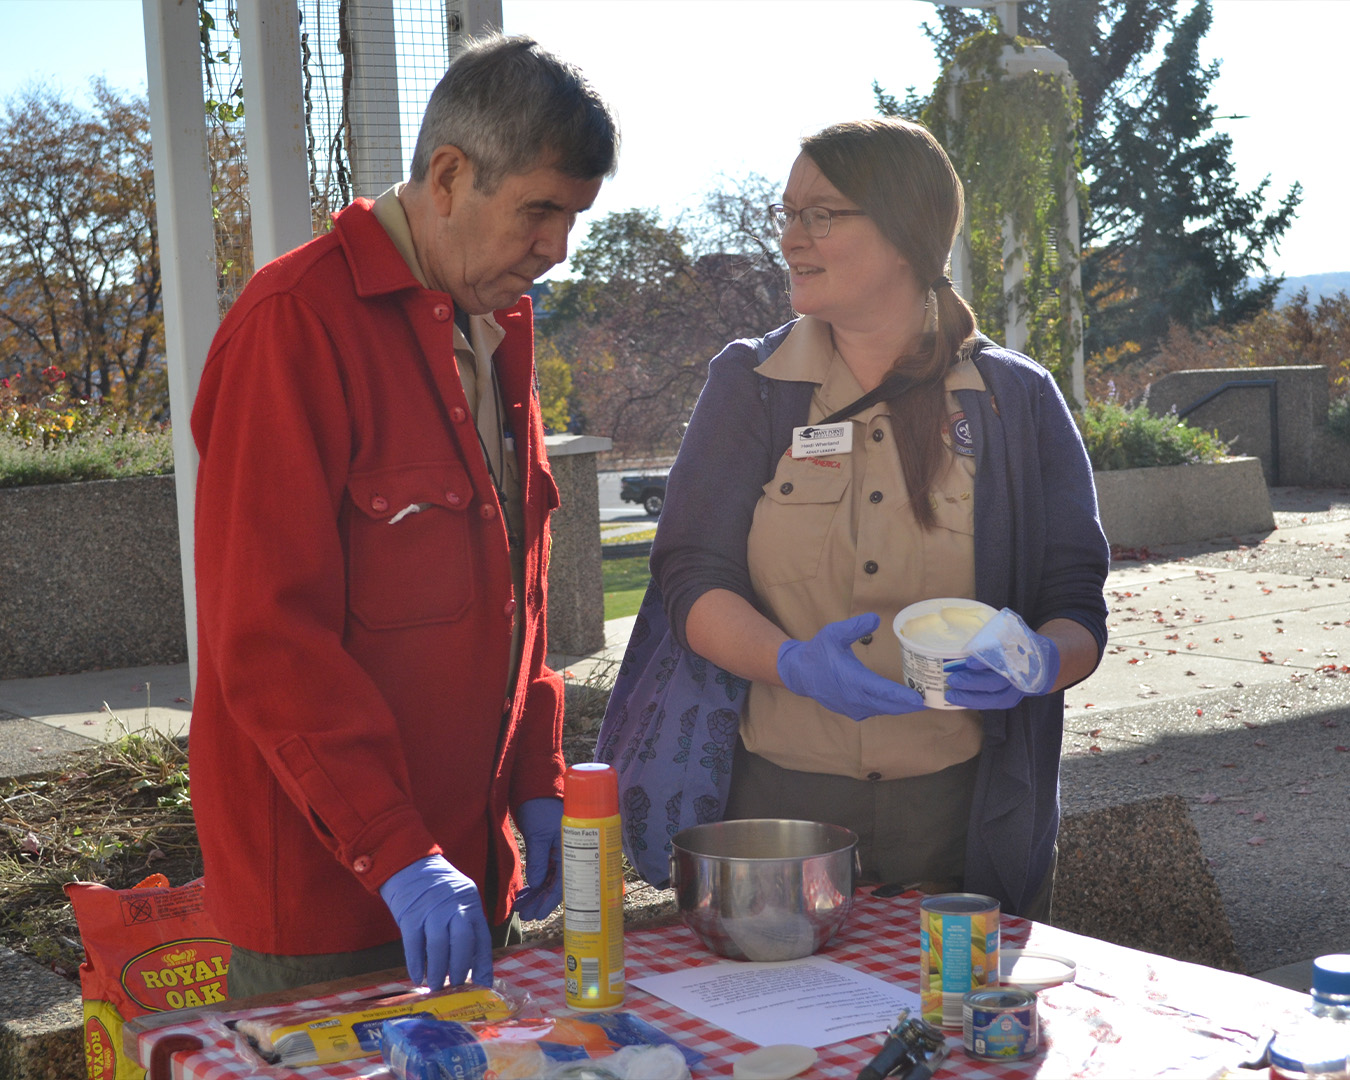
(854, 278)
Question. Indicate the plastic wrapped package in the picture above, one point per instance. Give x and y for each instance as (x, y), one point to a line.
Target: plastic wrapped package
(603, 1046)
(315, 1035)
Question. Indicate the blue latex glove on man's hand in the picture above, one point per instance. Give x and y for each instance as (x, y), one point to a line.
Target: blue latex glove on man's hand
(440, 916)
(540, 823)
(1008, 661)
(825, 670)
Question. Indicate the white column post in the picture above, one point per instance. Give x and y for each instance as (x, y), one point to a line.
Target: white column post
(1014, 274)
(274, 125)
(376, 138)
(963, 259)
(187, 247)
(469, 18)
(1071, 248)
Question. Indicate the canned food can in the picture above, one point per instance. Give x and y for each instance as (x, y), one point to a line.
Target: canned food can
(958, 952)
(1000, 1024)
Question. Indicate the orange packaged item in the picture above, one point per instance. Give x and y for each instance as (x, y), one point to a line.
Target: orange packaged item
(147, 949)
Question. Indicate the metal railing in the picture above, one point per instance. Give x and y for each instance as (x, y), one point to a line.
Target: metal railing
(1273, 396)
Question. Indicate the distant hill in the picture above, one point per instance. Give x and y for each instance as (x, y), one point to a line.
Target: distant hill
(1318, 286)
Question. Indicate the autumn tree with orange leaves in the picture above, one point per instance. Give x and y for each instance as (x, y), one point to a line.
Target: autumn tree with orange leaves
(80, 286)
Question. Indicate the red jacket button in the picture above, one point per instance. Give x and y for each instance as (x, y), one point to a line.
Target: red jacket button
(453, 498)
(510, 608)
(457, 415)
(487, 511)
(441, 312)
(362, 864)
(379, 504)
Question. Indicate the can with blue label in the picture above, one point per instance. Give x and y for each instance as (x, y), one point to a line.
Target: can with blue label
(1000, 1024)
(958, 952)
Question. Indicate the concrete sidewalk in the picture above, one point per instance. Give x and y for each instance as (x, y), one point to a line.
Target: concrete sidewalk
(1226, 682)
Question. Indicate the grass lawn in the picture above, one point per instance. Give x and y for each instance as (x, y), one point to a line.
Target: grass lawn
(625, 582)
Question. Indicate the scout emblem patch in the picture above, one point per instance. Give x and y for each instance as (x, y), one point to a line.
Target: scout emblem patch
(958, 435)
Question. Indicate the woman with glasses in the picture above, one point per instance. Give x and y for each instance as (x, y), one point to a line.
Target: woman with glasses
(873, 453)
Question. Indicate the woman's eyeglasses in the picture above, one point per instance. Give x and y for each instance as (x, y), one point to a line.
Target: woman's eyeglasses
(816, 220)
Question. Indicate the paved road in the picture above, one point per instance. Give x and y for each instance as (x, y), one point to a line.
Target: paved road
(613, 508)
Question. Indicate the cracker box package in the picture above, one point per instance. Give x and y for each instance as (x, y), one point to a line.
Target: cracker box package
(147, 949)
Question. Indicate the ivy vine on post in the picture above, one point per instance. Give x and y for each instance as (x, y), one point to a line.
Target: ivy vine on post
(1013, 140)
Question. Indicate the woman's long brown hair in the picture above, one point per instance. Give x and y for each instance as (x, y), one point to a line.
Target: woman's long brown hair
(899, 174)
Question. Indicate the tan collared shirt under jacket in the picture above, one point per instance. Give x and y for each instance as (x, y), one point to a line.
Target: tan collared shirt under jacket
(834, 537)
(473, 358)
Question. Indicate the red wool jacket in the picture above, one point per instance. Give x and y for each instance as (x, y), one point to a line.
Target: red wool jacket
(349, 715)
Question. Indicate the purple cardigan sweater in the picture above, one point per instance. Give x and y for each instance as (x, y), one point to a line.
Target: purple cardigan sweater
(1039, 549)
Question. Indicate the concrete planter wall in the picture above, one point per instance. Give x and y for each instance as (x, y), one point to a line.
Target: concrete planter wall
(90, 577)
(1177, 504)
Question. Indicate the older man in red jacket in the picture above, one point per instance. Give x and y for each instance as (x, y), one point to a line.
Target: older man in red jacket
(372, 547)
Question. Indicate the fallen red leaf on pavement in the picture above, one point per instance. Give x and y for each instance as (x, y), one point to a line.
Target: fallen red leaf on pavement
(1209, 797)
(1257, 841)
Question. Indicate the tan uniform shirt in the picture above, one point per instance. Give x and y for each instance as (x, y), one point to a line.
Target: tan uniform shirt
(473, 357)
(834, 537)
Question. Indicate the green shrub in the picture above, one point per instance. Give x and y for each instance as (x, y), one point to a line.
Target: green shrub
(1118, 437)
(50, 436)
(89, 456)
(1338, 417)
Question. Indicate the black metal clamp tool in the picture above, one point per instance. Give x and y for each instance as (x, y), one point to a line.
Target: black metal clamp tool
(913, 1050)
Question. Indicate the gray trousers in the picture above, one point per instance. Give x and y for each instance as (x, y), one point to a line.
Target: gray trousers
(910, 831)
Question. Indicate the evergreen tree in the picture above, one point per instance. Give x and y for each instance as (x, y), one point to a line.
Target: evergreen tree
(1169, 236)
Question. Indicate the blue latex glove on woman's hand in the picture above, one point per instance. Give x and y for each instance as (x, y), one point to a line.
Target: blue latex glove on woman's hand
(975, 685)
(540, 823)
(1008, 661)
(440, 916)
(825, 670)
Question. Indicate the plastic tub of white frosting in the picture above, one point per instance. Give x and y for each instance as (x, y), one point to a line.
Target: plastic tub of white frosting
(934, 634)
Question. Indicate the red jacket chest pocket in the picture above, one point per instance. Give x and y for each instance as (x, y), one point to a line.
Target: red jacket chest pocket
(408, 545)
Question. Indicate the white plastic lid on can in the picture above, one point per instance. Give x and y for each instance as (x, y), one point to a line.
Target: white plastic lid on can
(1032, 970)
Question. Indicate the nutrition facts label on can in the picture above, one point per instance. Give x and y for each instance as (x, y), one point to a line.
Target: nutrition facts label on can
(581, 879)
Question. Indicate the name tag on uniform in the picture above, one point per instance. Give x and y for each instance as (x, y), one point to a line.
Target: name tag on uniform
(822, 440)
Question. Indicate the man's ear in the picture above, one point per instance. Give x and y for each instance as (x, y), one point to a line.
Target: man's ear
(449, 176)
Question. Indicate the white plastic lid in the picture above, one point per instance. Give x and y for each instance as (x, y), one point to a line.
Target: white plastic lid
(1032, 970)
(781, 1061)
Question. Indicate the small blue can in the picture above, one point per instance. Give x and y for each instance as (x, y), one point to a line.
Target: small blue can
(1000, 1024)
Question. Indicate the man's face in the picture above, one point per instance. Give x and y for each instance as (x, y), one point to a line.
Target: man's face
(487, 250)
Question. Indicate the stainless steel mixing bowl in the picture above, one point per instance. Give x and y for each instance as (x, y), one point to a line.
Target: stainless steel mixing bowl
(764, 888)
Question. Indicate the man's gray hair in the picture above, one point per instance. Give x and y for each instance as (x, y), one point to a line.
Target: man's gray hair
(508, 103)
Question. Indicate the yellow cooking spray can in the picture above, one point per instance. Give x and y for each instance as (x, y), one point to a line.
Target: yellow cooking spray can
(592, 865)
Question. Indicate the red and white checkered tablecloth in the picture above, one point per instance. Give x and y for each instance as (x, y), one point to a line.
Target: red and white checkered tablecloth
(1128, 1014)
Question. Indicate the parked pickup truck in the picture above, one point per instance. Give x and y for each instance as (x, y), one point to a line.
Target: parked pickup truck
(648, 491)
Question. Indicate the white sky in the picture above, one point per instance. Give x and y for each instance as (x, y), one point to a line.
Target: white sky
(723, 87)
